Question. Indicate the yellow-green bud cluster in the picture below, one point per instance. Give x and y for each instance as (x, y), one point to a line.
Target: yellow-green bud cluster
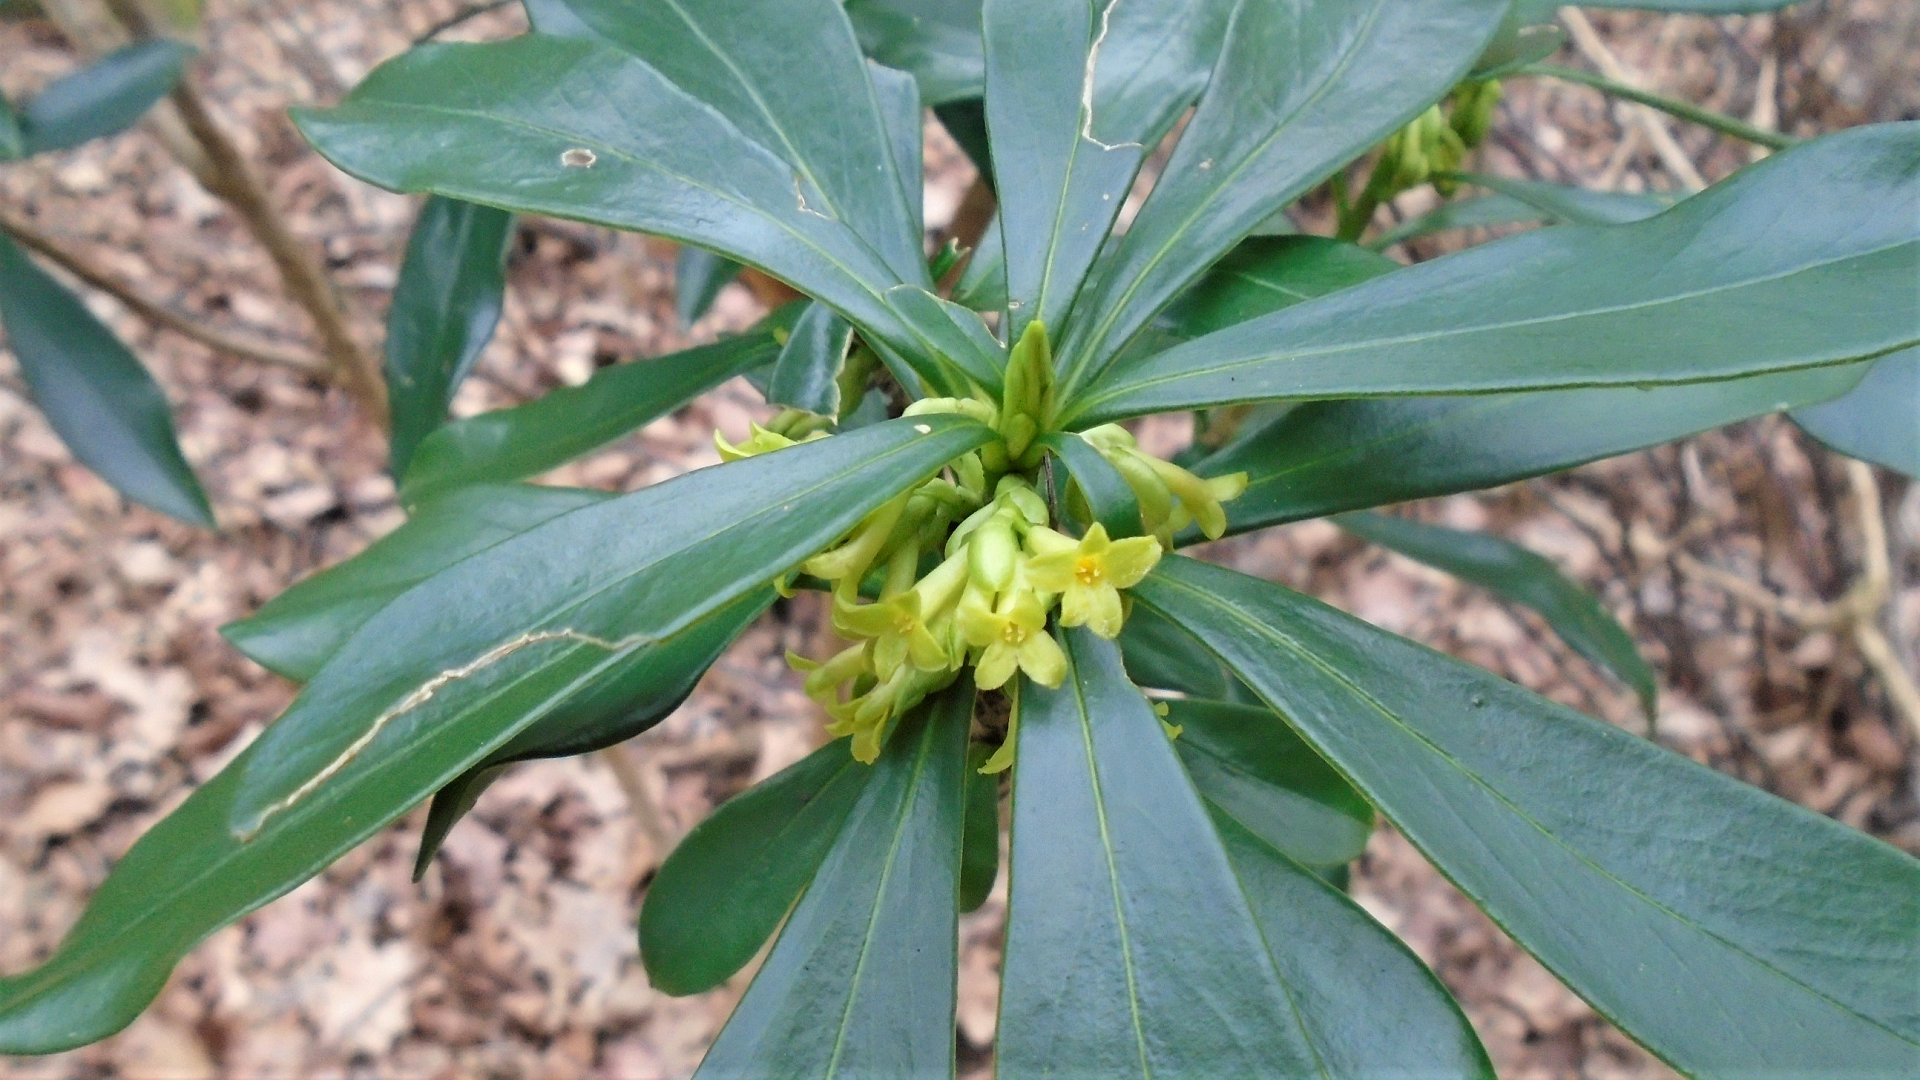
(1170, 497)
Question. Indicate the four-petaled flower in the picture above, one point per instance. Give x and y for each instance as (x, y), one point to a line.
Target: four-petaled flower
(1013, 636)
(1089, 574)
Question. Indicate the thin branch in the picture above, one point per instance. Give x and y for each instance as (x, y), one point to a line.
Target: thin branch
(1587, 40)
(1720, 122)
(240, 345)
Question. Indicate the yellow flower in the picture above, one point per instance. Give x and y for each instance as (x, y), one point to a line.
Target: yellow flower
(897, 630)
(1089, 574)
(1013, 637)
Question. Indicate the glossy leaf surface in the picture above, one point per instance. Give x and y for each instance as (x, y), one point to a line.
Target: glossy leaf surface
(1369, 1006)
(1250, 766)
(1324, 457)
(1726, 284)
(1470, 212)
(1653, 886)
(1878, 420)
(1131, 950)
(937, 41)
(723, 891)
(806, 374)
(103, 98)
(549, 431)
(445, 307)
(94, 393)
(1160, 655)
(1511, 571)
(862, 980)
(438, 680)
(1263, 274)
(1108, 496)
(1299, 91)
(1574, 205)
(580, 129)
(788, 74)
(297, 632)
(698, 277)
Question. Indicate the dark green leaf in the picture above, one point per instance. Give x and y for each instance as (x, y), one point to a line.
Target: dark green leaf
(1076, 93)
(1249, 765)
(11, 145)
(1369, 1006)
(806, 375)
(445, 307)
(980, 839)
(103, 98)
(1268, 130)
(94, 393)
(789, 74)
(983, 283)
(953, 333)
(1107, 493)
(1161, 655)
(1472, 212)
(1577, 206)
(1653, 886)
(1327, 456)
(450, 804)
(1527, 34)
(1266, 273)
(1879, 420)
(904, 121)
(583, 130)
(438, 680)
(549, 431)
(1519, 575)
(698, 277)
(937, 41)
(725, 888)
(862, 980)
(1131, 949)
(297, 632)
(1742, 279)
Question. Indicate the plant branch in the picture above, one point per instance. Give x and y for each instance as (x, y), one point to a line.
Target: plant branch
(1720, 122)
(1587, 40)
(240, 345)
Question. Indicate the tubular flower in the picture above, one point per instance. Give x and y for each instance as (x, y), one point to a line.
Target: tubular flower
(1170, 497)
(1089, 573)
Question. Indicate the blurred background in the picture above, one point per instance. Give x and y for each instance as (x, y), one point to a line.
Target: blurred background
(516, 957)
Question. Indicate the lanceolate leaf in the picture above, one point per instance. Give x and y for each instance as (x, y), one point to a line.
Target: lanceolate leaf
(1299, 91)
(1879, 420)
(1076, 92)
(104, 98)
(11, 146)
(438, 680)
(1523, 577)
(1327, 456)
(94, 393)
(1728, 931)
(445, 307)
(1748, 277)
(580, 129)
(1131, 950)
(297, 632)
(789, 74)
(1107, 494)
(1266, 273)
(980, 838)
(1249, 765)
(726, 887)
(698, 277)
(806, 374)
(1471, 212)
(938, 41)
(526, 440)
(862, 980)
(1369, 1006)
(1160, 655)
(620, 704)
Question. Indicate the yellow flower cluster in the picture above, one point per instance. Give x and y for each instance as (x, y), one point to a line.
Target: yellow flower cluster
(966, 570)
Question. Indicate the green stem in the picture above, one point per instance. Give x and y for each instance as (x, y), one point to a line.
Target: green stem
(1720, 122)
(1355, 218)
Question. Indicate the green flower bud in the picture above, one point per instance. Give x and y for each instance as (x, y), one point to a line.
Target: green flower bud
(992, 554)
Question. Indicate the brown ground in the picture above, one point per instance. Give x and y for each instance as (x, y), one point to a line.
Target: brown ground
(516, 956)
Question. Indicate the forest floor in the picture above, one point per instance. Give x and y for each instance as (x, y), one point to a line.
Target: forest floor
(516, 956)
